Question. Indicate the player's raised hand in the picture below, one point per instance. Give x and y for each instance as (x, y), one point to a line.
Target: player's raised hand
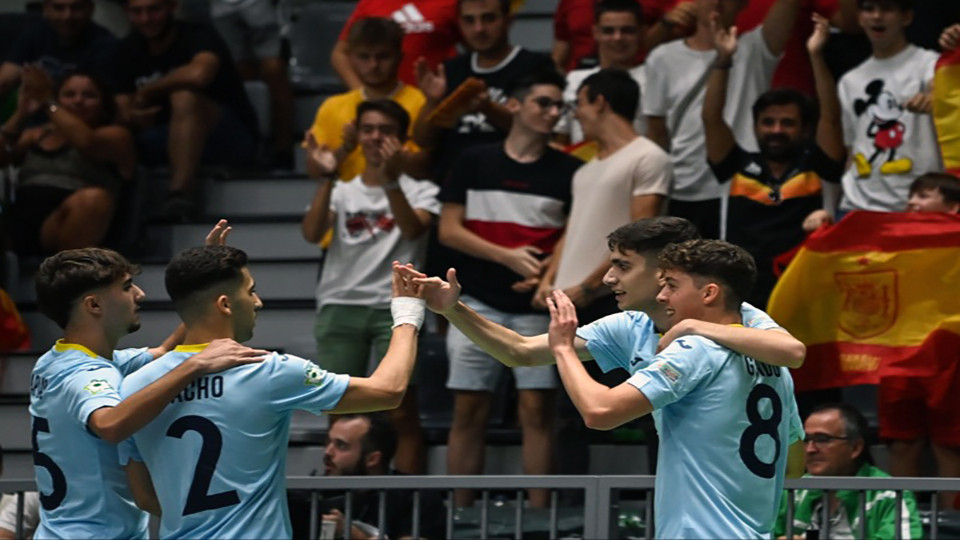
(563, 321)
(404, 283)
(441, 296)
(821, 33)
(224, 354)
(218, 234)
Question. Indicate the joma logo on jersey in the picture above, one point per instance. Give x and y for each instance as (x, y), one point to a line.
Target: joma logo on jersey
(411, 20)
(97, 386)
(869, 305)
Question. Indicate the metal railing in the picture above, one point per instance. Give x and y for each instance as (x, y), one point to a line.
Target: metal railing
(601, 496)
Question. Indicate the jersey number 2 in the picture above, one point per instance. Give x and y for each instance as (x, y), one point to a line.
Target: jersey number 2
(51, 500)
(761, 426)
(197, 499)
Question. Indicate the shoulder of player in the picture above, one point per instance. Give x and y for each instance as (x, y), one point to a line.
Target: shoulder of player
(695, 343)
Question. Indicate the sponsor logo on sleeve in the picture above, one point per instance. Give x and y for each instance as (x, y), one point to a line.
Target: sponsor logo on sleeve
(668, 370)
(313, 375)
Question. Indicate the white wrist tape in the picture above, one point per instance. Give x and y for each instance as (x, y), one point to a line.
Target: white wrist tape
(407, 310)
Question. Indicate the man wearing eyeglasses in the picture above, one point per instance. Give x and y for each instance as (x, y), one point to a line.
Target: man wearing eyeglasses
(505, 206)
(835, 445)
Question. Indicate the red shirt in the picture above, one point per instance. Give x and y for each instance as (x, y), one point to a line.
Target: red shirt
(794, 69)
(430, 25)
(573, 23)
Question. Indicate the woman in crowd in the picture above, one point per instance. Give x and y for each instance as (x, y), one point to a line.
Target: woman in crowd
(72, 167)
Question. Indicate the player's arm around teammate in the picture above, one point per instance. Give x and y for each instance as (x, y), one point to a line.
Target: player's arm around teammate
(386, 386)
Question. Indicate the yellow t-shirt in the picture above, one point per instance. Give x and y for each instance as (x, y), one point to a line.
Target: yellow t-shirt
(341, 109)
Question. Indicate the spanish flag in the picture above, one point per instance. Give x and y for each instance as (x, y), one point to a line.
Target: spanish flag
(946, 108)
(876, 295)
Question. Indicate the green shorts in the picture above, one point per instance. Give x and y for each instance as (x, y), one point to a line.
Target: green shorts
(346, 335)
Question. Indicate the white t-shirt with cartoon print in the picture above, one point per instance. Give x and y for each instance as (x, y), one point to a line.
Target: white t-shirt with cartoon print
(889, 146)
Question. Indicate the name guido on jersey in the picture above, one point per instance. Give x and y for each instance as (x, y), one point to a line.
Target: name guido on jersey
(202, 388)
(753, 367)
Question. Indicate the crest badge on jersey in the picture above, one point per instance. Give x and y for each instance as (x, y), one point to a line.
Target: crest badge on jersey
(313, 375)
(97, 387)
(869, 302)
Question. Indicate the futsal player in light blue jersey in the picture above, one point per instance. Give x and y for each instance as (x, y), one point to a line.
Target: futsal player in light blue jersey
(725, 419)
(629, 339)
(217, 454)
(77, 414)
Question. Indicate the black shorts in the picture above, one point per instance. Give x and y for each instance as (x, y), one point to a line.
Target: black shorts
(33, 205)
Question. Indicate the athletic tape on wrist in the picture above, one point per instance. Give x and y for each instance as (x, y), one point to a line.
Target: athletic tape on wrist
(407, 310)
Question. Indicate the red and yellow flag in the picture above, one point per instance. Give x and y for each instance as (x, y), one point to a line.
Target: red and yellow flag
(876, 295)
(946, 108)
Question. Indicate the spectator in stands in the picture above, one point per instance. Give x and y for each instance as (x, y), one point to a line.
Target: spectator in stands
(886, 102)
(774, 190)
(381, 215)
(179, 86)
(72, 167)
(214, 293)
(677, 74)
(935, 192)
(836, 445)
(628, 180)
(66, 40)
(361, 445)
(504, 209)
(485, 26)
(793, 69)
(617, 27)
(575, 40)
(251, 29)
(8, 515)
(430, 29)
(373, 49)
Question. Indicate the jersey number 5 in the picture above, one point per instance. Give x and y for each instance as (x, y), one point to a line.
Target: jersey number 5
(761, 426)
(51, 500)
(197, 499)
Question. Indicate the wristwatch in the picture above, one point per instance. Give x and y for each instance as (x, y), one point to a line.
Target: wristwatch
(51, 106)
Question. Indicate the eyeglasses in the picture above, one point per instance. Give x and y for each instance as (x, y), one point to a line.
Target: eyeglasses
(546, 104)
(822, 438)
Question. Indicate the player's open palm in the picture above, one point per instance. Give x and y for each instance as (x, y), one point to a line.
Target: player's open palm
(563, 321)
(224, 354)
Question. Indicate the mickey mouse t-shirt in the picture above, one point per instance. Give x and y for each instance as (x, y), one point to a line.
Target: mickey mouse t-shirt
(889, 146)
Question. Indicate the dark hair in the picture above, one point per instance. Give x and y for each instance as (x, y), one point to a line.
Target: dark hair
(108, 106)
(65, 277)
(809, 110)
(730, 265)
(855, 426)
(617, 87)
(618, 6)
(390, 109)
(947, 184)
(200, 268)
(505, 7)
(380, 437)
(652, 234)
(902, 5)
(525, 84)
(375, 31)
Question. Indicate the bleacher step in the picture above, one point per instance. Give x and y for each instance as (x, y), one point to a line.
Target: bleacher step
(278, 239)
(259, 197)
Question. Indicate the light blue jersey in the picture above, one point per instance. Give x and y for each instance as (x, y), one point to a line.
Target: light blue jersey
(83, 490)
(629, 339)
(725, 423)
(217, 454)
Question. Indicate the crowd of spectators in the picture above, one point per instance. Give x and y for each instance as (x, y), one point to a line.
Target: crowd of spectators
(724, 112)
